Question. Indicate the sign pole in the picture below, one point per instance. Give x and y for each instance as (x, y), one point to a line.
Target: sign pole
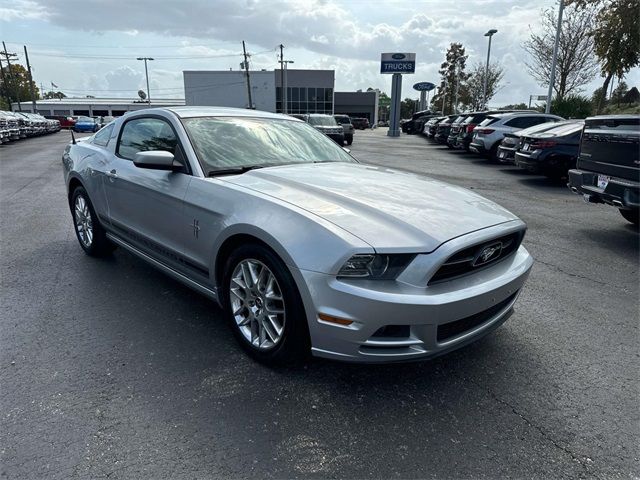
(396, 94)
(423, 100)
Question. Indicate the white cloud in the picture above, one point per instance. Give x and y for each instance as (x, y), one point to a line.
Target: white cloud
(346, 36)
(13, 10)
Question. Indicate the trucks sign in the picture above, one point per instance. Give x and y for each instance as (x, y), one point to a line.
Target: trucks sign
(398, 63)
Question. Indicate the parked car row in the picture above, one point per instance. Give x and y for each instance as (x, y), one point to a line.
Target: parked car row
(600, 156)
(338, 127)
(17, 125)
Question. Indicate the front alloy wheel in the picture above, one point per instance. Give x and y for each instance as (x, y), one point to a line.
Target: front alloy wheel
(257, 304)
(91, 235)
(263, 306)
(83, 221)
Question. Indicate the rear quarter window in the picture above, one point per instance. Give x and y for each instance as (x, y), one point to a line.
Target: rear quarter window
(488, 121)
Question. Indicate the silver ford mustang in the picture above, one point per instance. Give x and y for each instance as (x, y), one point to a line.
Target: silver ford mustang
(305, 249)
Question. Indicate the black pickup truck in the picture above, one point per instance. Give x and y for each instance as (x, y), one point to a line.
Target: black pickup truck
(608, 166)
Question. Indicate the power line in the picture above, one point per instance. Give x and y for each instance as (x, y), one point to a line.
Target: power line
(126, 57)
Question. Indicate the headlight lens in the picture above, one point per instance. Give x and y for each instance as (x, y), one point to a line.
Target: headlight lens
(375, 267)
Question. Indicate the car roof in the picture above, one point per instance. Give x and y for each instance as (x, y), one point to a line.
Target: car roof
(189, 112)
(522, 114)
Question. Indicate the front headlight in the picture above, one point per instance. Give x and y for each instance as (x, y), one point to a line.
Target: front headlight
(375, 267)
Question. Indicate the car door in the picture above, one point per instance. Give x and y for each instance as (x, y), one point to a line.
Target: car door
(145, 205)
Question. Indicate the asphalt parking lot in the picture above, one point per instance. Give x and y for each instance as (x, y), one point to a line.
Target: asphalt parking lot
(108, 368)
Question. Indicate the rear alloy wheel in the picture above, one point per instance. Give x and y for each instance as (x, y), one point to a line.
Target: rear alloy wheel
(264, 307)
(631, 215)
(90, 233)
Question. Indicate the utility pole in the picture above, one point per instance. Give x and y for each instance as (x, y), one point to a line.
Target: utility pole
(6, 56)
(555, 59)
(146, 73)
(246, 69)
(282, 102)
(31, 87)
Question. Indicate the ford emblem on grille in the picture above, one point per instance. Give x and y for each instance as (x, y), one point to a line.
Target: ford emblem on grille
(488, 254)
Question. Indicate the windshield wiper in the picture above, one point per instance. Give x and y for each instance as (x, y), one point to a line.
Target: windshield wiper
(237, 170)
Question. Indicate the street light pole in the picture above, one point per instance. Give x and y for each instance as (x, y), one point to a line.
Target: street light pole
(552, 78)
(486, 71)
(285, 83)
(146, 73)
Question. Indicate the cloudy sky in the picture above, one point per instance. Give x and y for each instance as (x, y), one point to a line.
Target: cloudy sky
(89, 47)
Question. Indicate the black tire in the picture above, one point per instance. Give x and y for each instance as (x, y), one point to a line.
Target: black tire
(99, 246)
(349, 140)
(493, 153)
(294, 344)
(631, 215)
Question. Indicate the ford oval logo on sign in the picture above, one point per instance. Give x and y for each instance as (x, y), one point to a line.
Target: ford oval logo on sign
(395, 62)
(424, 86)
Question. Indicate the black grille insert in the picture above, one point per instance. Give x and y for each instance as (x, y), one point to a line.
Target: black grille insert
(472, 259)
(453, 329)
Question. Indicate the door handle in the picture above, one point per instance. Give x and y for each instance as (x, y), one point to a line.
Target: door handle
(111, 173)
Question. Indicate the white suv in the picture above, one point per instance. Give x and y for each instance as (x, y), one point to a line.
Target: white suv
(490, 132)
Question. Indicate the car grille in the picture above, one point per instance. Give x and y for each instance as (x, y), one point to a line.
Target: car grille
(453, 329)
(470, 259)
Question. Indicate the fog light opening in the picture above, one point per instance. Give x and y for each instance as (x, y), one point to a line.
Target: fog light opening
(393, 331)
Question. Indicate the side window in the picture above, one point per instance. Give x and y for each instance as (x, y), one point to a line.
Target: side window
(102, 137)
(515, 122)
(531, 121)
(142, 134)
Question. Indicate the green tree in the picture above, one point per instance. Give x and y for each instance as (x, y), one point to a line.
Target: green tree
(616, 38)
(384, 103)
(408, 107)
(17, 84)
(451, 72)
(53, 95)
(572, 106)
(577, 64)
(473, 89)
(619, 92)
(516, 106)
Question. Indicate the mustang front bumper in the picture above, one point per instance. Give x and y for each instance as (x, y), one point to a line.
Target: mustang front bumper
(397, 321)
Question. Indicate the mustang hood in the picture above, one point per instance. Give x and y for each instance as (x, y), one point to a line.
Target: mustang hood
(391, 210)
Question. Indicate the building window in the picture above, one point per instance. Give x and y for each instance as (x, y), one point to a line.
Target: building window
(61, 112)
(306, 100)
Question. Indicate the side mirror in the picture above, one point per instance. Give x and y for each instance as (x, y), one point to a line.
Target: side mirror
(157, 160)
(346, 149)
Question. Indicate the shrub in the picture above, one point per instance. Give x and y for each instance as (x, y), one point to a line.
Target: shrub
(572, 106)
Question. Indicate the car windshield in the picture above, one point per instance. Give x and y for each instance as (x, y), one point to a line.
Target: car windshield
(322, 121)
(236, 142)
(343, 120)
(85, 119)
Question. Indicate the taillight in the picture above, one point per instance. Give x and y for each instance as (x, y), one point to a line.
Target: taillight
(543, 144)
(470, 128)
(486, 131)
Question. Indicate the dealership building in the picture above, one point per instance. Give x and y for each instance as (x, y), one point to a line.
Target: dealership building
(308, 91)
(92, 107)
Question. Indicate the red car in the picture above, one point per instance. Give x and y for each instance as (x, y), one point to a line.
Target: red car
(65, 121)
